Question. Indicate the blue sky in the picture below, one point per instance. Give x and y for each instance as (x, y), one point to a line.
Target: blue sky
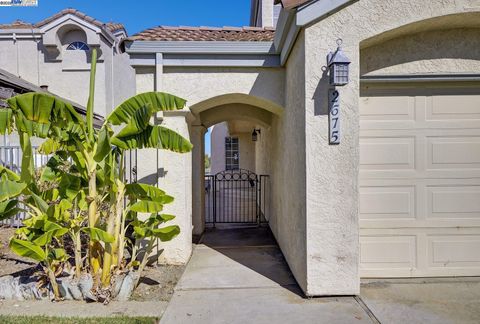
(139, 15)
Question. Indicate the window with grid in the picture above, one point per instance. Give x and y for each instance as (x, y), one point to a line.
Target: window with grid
(232, 155)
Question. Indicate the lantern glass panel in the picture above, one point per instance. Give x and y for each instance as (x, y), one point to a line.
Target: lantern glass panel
(340, 75)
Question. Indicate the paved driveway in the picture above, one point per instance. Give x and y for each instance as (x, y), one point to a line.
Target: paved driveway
(240, 276)
(442, 300)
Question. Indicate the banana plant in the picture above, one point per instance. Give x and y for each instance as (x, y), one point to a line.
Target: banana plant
(90, 193)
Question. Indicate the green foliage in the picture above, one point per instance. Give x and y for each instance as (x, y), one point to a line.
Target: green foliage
(82, 188)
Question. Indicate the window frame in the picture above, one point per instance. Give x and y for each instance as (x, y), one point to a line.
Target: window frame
(232, 150)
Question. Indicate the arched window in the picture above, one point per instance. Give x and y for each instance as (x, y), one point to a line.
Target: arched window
(78, 46)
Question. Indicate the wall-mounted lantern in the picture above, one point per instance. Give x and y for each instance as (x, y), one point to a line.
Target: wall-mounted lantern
(255, 134)
(338, 65)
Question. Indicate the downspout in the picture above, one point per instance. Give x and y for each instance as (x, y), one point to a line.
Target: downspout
(17, 55)
(38, 56)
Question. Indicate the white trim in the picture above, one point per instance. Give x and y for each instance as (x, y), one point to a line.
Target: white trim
(219, 60)
(318, 9)
(199, 47)
(66, 18)
(420, 78)
(110, 36)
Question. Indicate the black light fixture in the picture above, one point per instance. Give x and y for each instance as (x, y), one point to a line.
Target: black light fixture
(338, 64)
(255, 134)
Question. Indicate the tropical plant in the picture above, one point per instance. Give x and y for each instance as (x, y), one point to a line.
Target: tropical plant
(82, 190)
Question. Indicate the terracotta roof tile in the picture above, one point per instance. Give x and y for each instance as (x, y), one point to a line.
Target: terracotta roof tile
(111, 26)
(183, 33)
(17, 24)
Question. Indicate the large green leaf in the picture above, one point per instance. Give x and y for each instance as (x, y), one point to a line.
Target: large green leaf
(47, 237)
(158, 101)
(10, 189)
(143, 206)
(41, 204)
(27, 249)
(69, 185)
(167, 233)
(91, 97)
(36, 112)
(6, 121)
(104, 146)
(9, 209)
(97, 234)
(9, 174)
(143, 191)
(154, 137)
(138, 122)
(49, 146)
(27, 171)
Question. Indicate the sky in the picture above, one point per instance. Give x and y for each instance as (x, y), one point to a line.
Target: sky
(140, 15)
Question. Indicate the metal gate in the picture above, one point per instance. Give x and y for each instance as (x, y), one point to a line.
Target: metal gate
(236, 196)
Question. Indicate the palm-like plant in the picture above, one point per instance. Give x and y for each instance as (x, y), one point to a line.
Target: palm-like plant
(82, 188)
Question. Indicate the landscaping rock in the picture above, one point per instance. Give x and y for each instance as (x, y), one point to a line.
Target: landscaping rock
(7, 288)
(20, 288)
(128, 285)
(86, 284)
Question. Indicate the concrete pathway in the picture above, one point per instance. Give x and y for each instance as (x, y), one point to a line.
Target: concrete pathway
(240, 276)
(435, 300)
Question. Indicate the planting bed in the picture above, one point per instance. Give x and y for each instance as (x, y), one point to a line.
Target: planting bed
(157, 282)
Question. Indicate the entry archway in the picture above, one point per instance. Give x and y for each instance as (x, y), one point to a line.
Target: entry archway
(230, 108)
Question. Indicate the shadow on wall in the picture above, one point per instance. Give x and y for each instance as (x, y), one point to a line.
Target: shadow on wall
(320, 96)
(152, 179)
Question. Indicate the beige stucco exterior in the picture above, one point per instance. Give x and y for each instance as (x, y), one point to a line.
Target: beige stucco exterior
(314, 186)
(39, 56)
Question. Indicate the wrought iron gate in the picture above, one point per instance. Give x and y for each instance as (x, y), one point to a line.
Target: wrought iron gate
(236, 196)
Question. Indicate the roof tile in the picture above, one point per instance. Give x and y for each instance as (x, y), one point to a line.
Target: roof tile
(183, 33)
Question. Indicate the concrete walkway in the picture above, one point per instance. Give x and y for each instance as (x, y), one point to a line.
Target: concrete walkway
(240, 276)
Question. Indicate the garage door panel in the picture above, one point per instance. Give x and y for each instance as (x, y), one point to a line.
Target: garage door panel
(453, 107)
(419, 202)
(452, 251)
(387, 252)
(399, 108)
(387, 153)
(387, 202)
(453, 202)
(453, 152)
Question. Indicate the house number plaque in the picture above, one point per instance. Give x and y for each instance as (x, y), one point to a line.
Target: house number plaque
(334, 116)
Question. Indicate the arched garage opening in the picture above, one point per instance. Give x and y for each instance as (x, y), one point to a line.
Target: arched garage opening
(419, 150)
(239, 164)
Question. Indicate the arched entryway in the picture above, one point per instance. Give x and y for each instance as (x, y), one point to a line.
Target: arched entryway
(239, 114)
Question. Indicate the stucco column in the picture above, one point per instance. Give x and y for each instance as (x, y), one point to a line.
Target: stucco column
(331, 173)
(197, 136)
(175, 177)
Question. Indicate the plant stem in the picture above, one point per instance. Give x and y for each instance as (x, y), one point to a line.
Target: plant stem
(53, 281)
(78, 253)
(142, 265)
(92, 221)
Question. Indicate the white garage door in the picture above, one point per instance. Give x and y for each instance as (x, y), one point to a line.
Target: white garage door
(420, 181)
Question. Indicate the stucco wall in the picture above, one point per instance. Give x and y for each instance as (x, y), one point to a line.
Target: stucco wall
(198, 84)
(440, 51)
(68, 74)
(217, 138)
(332, 171)
(287, 157)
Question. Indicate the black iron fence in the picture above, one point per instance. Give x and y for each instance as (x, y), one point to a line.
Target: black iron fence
(236, 196)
